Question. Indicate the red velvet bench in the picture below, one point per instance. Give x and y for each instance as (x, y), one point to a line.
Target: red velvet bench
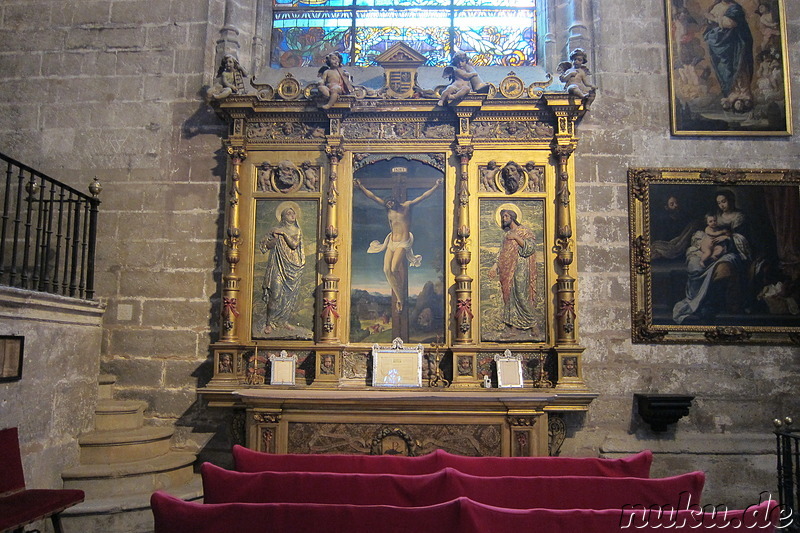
(20, 506)
(637, 465)
(525, 492)
(173, 515)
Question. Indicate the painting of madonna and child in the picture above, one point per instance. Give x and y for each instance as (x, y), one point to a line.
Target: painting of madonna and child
(728, 67)
(725, 255)
(397, 258)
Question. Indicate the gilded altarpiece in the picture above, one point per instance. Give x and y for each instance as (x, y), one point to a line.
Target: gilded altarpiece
(388, 218)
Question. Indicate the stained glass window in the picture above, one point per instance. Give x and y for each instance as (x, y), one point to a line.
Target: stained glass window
(491, 32)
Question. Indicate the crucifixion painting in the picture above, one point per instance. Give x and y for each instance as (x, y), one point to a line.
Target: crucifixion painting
(398, 237)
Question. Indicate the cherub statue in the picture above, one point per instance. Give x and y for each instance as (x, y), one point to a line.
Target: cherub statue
(575, 75)
(229, 80)
(335, 79)
(487, 176)
(463, 78)
(311, 178)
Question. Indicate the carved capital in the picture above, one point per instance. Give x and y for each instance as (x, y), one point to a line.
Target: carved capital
(464, 153)
(267, 418)
(335, 153)
(522, 420)
(237, 154)
(563, 151)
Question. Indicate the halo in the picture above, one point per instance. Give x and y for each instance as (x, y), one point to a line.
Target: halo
(283, 205)
(511, 207)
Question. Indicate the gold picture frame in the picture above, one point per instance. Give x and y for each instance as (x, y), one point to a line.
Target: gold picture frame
(728, 68)
(711, 255)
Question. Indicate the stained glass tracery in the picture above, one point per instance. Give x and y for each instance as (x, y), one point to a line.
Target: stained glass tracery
(491, 32)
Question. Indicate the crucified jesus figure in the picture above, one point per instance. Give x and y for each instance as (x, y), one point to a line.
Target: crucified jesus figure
(399, 241)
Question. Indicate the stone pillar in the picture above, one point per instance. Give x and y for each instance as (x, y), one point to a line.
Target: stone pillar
(580, 26)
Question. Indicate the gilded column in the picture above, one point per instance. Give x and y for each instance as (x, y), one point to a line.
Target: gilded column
(463, 313)
(569, 354)
(565, 292)
(230, 279)
(329, 316)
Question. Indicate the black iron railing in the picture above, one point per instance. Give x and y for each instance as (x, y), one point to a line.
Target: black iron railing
(47, 232)
(789, 471)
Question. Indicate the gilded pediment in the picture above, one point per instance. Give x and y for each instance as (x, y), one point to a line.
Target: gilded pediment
(400, 55)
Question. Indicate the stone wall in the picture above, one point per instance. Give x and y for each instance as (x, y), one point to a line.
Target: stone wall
(112, 88)
(55, 399)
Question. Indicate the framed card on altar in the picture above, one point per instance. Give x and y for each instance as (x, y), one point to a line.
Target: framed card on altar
(509, 370)
(283, 366)
(396, 366)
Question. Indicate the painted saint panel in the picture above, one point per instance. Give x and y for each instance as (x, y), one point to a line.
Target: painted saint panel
(512, 274)
(397, 256)
(284, 267)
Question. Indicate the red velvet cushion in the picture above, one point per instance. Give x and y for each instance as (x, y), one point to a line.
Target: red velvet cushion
(12, 478)
(223, 486)
(172, 515)
(462, 515)
(484, 518)
(637, 465)
(247, 460)
(24, 507)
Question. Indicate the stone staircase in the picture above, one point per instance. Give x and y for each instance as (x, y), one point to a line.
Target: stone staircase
(122, 463)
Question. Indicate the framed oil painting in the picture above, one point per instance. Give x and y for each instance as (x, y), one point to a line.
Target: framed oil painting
(715, 255)
(11, 352)
(728, 67)
(512, 273)
(284, 269)
(397, 255)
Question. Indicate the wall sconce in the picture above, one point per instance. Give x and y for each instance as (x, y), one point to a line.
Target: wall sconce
(659, 410)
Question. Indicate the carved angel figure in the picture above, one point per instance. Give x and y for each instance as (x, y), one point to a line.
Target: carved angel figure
(229, 80)
(575, 75)
(463, 78)
(335, 79)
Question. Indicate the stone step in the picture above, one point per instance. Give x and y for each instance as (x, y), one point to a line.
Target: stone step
(130, 514)
(120, 479)
(124, 446)
(119, 414)
(105, 389)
